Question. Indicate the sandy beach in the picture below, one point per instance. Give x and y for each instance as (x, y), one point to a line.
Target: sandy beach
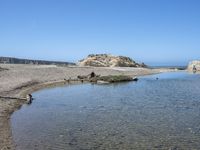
(18, 80)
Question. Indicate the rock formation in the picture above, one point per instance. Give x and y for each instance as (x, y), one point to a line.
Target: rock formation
(105, 60)
(92, 77)
(194, 66)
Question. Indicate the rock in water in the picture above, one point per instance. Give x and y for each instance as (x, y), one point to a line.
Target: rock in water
(105, 60)
(194, 66)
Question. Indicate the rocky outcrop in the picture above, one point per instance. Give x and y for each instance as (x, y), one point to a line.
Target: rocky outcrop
(92, 77)
(11, 60)
(112, 79)
(105, 60)
(194, 66)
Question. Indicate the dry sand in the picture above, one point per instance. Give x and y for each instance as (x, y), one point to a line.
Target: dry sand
(19, 80)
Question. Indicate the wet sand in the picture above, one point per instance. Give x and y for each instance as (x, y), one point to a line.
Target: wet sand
(18, 80)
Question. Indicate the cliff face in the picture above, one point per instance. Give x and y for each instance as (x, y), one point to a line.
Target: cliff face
(194, 66)
(105, 60)
(11, 60)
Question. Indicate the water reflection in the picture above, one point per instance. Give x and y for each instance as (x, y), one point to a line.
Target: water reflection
(149, 114)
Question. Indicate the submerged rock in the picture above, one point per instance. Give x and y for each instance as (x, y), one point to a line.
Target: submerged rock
(194, 66)
(106, 60)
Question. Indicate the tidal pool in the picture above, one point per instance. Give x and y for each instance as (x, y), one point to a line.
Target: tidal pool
(148, 114)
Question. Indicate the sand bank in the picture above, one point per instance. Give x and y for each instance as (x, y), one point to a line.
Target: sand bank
(18, 80)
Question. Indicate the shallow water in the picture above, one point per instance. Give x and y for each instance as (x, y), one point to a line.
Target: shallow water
(148, 114)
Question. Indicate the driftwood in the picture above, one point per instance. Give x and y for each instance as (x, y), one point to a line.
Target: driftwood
(7, 97)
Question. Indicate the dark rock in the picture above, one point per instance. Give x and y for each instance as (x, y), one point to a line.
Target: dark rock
(82, 77)
(112, 78)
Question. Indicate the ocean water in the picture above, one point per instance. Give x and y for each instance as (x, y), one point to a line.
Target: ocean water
(148, 114)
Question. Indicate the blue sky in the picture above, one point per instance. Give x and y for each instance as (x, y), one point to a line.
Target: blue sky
(162, 32)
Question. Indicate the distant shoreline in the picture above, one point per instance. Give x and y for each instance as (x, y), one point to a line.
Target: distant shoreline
(13, 60)
(170, 67)
(19, 80)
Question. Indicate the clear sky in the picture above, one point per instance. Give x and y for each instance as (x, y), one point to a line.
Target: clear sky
(151, 31)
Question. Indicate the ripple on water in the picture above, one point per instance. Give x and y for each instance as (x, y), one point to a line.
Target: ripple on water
(149, 114)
